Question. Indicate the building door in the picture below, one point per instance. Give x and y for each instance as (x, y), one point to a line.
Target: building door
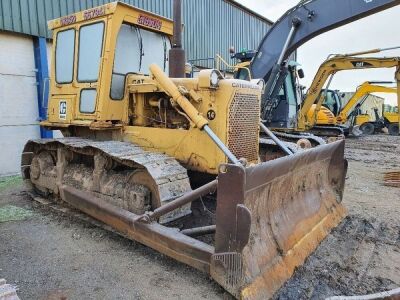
(18, 99)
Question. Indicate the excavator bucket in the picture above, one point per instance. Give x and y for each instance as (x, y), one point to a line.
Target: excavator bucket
(272, 216)
(356, 131)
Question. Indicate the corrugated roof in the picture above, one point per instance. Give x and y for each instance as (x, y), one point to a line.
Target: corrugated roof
(250, 11)
(211, 26)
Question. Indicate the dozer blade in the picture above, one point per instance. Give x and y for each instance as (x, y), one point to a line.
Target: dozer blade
(272, 216)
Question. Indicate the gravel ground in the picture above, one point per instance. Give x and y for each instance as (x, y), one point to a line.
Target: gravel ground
(55, 255)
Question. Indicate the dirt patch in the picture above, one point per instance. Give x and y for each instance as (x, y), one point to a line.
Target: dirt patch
(51, 255)
(54, 253)
(362, 255)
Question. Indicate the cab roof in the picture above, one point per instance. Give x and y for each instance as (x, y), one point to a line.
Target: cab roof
(143, 18)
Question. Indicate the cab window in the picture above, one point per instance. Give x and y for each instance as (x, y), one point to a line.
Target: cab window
(153, 46)
(126, 60)
(135, 51)
(65, 45)
(90, 51)
(331, 102)
(242, 73)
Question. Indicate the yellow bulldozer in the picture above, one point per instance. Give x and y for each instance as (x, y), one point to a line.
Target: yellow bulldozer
(142, 150)
(141, 147)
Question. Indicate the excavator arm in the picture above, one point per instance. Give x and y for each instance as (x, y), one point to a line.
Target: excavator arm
(359, 96)
(298, 25)
(329, 68)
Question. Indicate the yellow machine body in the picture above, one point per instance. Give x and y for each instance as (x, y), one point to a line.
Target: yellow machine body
(324, 116)
(361, 119)
(139, 115)
(362, 91)
(391, 117)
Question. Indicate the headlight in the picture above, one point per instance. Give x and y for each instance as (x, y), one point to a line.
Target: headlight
(209, 78)
(214, 79)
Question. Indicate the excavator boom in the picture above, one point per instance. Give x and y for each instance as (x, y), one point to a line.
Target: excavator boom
(297, 26)
(313, 17)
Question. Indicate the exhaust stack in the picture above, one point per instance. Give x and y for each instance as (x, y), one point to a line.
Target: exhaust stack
(177, 54)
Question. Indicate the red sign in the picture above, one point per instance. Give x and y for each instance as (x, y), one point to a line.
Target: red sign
(149, 22)
(93, 13)
(68, 20)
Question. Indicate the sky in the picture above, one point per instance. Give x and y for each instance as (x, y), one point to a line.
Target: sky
(377, 31)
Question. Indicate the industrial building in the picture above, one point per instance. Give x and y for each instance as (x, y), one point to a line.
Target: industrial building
(210, 27)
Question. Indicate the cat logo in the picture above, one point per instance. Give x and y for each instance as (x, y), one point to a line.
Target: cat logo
(360, 64)
(63, 110)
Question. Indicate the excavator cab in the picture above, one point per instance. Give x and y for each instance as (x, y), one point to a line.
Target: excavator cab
(288, 101)
(332, 101)
(330, 109)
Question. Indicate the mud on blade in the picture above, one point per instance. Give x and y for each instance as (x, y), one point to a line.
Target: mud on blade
(272, 216)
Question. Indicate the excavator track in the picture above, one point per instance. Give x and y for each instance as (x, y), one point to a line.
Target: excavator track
(328, 131)
(121, 173)
(315, 140)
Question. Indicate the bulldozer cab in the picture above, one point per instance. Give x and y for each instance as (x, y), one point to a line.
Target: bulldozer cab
(93, 52)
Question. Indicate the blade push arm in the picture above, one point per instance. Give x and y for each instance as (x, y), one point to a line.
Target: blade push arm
(330, 67)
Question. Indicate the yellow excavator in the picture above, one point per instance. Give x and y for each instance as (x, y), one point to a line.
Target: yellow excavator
(387, 120)
(313, 115)
(333, 113)
(140, 148)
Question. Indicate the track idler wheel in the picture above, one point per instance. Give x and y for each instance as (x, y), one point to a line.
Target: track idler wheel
(393, 129)
(304, 144)
(367, 128)
(43, 173)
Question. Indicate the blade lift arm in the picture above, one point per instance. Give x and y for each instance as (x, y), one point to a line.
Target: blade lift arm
(193, 114)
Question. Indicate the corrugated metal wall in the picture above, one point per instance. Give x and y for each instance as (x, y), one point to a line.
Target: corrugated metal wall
(211, 26)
